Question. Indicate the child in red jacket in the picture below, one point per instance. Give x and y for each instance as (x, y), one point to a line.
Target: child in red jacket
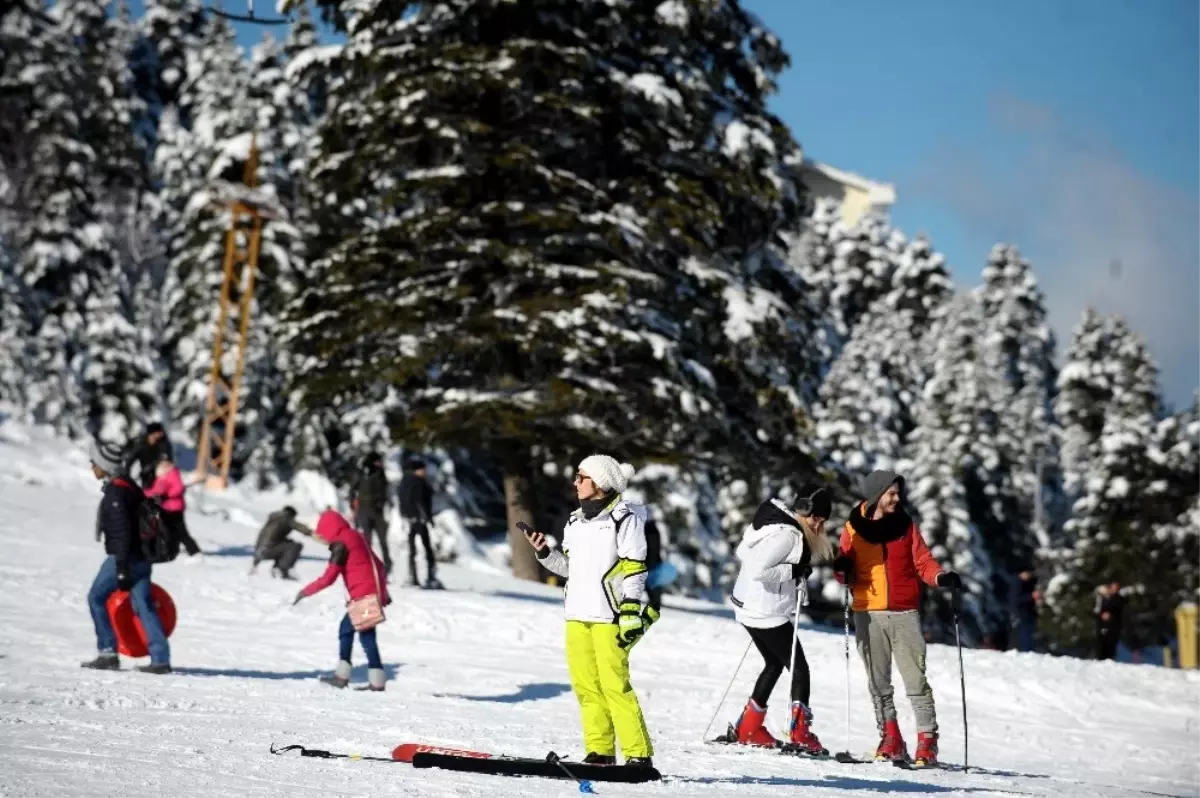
(363, 574)
(168, 489)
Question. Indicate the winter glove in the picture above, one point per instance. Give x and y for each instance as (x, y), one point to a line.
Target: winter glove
(338, 553)
(843, 564)
(950, 581)
(630, 624)
(649, 616)
(800, 573)
(124, 580)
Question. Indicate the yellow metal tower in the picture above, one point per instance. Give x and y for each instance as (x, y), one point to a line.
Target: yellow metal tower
(242, 241)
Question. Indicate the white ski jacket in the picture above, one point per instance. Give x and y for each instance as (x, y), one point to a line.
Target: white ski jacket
(765, 593)
(603, 560)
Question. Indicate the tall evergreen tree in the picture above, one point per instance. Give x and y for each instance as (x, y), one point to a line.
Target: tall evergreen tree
(14, 337)
(1020, 348)
(517, 247)
(954, 469)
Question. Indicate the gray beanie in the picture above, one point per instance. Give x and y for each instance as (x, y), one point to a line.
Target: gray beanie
(108, 456)
(876, 484)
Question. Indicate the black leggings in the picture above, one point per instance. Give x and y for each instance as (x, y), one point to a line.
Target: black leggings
(775, 645)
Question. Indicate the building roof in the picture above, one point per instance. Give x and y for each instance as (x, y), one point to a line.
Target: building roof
(879, 193)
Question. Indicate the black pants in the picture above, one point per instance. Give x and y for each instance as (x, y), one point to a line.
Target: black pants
(1106, 643)
(775, 645)
(420, 529)
(371, 525)
(284, 554)
(178, 530)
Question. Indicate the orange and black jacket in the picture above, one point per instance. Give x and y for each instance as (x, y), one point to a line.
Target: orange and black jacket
(890, 561)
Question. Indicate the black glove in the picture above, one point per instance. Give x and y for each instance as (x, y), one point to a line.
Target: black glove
(950, 581)
(124, 580)
(800, 573)
(844, 564)
(299, 596)
(338, 553)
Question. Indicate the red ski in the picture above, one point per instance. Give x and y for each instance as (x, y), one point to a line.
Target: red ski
(406, 751)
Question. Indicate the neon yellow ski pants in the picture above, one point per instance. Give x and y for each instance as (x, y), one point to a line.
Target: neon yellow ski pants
(600, 675)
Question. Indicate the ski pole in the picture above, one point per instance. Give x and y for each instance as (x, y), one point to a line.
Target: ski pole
(800, 595)
(725, 695)
(585, 786)
(846, 639)
(962, 682)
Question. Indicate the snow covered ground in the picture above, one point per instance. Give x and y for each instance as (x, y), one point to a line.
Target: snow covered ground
(481, 665)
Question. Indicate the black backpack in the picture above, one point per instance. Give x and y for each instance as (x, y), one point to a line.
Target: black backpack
(158, 544)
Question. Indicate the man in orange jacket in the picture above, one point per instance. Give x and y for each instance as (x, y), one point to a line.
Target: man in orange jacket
(884, 560)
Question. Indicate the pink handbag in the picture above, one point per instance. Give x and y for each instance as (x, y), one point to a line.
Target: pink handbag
(366, 612)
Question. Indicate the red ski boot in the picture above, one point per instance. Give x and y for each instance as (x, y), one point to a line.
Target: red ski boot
(892, 745)
(800, 736)
(750, 730)
(926, 755)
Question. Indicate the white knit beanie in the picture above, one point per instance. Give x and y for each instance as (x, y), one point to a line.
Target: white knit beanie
(606, 472)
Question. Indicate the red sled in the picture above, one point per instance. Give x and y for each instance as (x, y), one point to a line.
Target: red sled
(131, 637)
(406, 751)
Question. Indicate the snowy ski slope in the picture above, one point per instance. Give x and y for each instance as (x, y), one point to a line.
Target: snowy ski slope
(481, 665)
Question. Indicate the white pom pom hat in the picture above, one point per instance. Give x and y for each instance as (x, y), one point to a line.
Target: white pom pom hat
(606, 472)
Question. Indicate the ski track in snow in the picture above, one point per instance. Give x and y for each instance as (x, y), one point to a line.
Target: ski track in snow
(481, 665)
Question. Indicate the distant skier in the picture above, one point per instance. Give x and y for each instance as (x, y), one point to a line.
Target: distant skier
(168, 488)
(603, 557)
(369, 499)
(885, 560)
(125, 567)
(363, 574)
(274, 544)
(776, 554)
(147, 451)
(1110, 615)
(416, 506)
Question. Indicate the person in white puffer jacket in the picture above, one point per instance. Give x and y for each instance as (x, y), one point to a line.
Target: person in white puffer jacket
(776, 554)
(603, 558)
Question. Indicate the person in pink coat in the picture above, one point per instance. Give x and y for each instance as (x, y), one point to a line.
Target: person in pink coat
(168, 490)
(363, 574)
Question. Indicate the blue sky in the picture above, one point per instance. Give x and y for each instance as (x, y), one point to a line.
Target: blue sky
(1068, 127)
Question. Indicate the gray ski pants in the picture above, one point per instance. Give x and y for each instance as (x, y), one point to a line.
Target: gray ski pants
(881, 637)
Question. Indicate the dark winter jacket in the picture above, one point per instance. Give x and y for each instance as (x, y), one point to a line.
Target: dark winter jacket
(370, 493)
(117, 521)
(147, 455)
(1024, 605)
(653, 545)
(1115, 607)
(279, 524)
(416, 498)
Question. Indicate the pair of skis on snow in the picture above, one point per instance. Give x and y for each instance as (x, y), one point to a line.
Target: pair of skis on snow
(553, 766)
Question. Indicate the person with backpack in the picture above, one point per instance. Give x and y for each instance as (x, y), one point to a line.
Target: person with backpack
(369, 500)
(168, 490)
(366, 581)
(126, 566)
(603, 557)
(776, 554)
(147, 451)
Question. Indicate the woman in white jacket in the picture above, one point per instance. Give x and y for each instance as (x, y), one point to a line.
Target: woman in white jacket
(776, 554)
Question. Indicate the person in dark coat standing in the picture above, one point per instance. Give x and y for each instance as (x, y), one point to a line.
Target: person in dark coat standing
(1110, 612)
(274, 544)
(1025, 597)
(369, 498)
(416, 506)
(653, 560)
(125, 567)
(147, 451)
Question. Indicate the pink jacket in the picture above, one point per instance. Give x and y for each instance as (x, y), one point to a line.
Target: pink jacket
(356, 573)
(169, 487)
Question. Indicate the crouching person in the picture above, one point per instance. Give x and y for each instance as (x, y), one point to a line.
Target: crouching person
(363, 573)
(274, 543)
(125, 567)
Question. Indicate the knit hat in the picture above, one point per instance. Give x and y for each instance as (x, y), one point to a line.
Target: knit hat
(108, 456)
(877, 483)
(609, 475)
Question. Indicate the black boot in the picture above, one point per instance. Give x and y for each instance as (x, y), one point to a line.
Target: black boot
(599, 759)
(639, 762)
(159, 669)
(105, 661)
